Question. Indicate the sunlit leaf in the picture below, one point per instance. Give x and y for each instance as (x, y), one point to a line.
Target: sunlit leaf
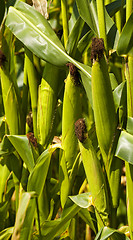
(125, 147)
(38, 176)
(24, 217)
(129, 127)
(22, 146)
(107, 232)
(6, 233)
(60, 225)
(82, 200)
(34, 31)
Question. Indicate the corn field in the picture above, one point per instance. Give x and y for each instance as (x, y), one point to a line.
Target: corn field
(66, 119)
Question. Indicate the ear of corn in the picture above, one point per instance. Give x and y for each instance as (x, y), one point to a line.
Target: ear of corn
(71, 112)
(47, 103)
(94, 174)
(105, 120)
(103, 104)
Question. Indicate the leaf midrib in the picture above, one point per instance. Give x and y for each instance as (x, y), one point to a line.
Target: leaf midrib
(52, 43)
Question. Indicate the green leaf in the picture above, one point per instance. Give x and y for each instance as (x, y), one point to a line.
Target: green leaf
(36, 181)
(129, 127)
(6, 233)
(87, 83)
(125, 44)
(37, 33)
(81, 200)
(107, 232)
(25, 217)
(22, 146)
(69, 212)
(4, 173)
(114, 6)
(87, 218)
(74, 37)
(3, 213)
(85, 41)
(124, 148)
(31, 28)
(118, 93)
(87, 10)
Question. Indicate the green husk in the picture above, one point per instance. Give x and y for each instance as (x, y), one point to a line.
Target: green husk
(103, 105)
(71, 112)
(95, 178)
(47, 104)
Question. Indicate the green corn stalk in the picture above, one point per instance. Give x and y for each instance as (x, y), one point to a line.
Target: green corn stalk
(94, 174)
(32, 80)
(71, 112)
(129, 167)
(101, 21)
(64, 20)
(47, 103)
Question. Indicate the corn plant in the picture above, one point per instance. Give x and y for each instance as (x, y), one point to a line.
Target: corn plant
(66, 119)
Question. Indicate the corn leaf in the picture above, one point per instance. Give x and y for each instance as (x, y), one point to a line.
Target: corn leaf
(88, 12)
(69, 212)
(129, 127)
(24, 217)
(36, 181)
(22, 146)
(114, 6)
(125, 44)
(4, 173)
(107, 232)
(6, 233)
(125, 147)
(31, 28)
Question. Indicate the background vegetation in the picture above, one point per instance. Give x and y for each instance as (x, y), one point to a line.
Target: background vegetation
(66, 119)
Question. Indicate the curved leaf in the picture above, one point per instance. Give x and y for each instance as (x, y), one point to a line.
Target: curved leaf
(125, 147)
(38, 175)
(114, 6)
(125, 44)
(106, 232)
(82, 200)
(24, 217)
(129, 127)
(22, 146)
(6, 233)
(31, 28)
(87, 10)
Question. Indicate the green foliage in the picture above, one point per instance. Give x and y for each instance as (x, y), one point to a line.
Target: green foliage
(53, 185)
